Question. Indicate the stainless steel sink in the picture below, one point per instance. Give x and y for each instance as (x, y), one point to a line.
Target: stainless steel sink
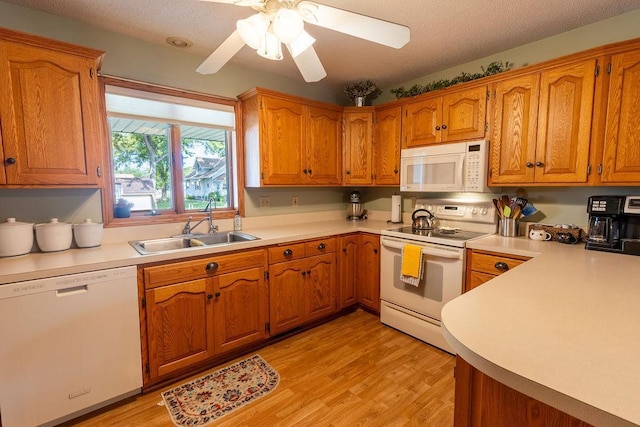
(182, 242)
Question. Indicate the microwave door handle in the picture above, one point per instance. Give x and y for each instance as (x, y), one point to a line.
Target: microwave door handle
(461, 169)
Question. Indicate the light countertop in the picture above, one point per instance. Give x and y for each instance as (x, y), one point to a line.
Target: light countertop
(563, 327)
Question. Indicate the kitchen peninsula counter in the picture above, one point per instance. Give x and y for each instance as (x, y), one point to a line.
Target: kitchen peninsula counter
(563, 328)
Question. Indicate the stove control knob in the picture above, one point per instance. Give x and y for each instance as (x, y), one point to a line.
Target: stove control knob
(430, 208)
(474, 211)
(484, 211)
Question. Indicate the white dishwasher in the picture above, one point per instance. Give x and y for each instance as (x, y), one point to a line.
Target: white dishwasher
(68, 345)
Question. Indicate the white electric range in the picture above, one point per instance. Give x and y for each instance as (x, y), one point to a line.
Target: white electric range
(415, 310)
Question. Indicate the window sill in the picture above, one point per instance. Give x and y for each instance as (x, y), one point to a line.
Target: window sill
(165, 218)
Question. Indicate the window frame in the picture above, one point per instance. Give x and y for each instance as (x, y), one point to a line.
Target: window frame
(236, 154)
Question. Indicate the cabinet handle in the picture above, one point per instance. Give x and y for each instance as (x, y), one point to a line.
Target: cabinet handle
(348, 172)
(437, 127)
(310, 172)
(217, 294)
(529, 164)
(209, 296)
(304, 273)
(501, 266)
(375, 251)
(444, 127)
(212, 266)
(304, 171)
(287, 252)
(11, 161)
(539, 164)
(308, 272)
(344, 250)
(321, 246)
(395, 170)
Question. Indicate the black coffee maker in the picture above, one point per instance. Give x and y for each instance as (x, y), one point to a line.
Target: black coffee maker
(614, 224)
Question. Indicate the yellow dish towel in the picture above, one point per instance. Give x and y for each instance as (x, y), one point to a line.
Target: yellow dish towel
(411, 270)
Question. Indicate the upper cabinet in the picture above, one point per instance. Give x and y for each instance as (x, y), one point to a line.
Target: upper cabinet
(49, 112)
(621, 159)
(290, 142)
(358, 146)
(386, 145)
(542, 126)
(456, 116)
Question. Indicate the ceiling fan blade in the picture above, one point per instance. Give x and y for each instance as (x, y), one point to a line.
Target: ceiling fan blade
(222, 54)
(309, 65)
(354, 24)
(238, 2)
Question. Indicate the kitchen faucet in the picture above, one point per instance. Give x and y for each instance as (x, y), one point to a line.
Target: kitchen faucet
(188, 229)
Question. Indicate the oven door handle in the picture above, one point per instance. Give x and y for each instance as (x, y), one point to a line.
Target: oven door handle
(426, 251)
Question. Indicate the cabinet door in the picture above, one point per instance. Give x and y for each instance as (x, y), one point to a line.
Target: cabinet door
(421, 123)
(282, 141)
(622, 136)
(564, 123)
(320, 282)
(347, 260)
(387, 146)
(179, 325)
(358, 152)
(49, 111)
(286, 295)
(324, 146)
(515, 118)
(240, 309)
(369, 271)
(464, 114)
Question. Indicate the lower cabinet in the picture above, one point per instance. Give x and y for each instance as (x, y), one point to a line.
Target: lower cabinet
(197, 309)
(302, 283)
(368, 271)
(348, 269)
(481, 401)
(483, 266)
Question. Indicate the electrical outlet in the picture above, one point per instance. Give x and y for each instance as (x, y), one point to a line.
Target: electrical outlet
(294, 201)
(265, 201)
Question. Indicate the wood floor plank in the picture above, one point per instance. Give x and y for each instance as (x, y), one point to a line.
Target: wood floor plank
(352, 371)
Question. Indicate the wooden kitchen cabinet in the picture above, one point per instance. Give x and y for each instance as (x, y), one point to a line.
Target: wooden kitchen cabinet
(197, 309)
(483, 266)
(290, 141)
(456, 116)
(348, 270)
(557, 104)
(621, 159)
(358, 145)
(302, 283)
(49, 112)
(386, 145)
(368, 266)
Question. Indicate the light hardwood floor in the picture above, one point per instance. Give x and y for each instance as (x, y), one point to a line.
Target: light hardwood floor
(352, 371)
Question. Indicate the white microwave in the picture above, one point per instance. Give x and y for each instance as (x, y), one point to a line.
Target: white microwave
(457, 167)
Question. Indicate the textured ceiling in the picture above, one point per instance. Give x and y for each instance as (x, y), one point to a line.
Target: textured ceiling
(444, 33)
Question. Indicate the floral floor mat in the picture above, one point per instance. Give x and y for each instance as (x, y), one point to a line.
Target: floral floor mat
(219, 393)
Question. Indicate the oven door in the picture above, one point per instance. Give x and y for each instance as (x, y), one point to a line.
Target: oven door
(442, 280)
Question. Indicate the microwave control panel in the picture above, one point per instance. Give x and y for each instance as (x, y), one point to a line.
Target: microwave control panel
(476, 167)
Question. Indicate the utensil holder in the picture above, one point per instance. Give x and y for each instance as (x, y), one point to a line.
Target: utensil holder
(508, 227)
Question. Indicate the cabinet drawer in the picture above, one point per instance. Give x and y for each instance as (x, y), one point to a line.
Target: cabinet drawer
(494, 264)
(204, 267)
(320, 246)
(286, 252)
(476, 279)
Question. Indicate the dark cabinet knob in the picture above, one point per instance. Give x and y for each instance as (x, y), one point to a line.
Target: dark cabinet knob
(348, 172)
(321, 246)
(344, 250)
(539, 164)
(217, 294)
(310, 172)
(395, 170)
(529, 164)
(212, 266)
(209, 296)
(437, 127)
(11, 161)
(304, 273)
(375, 251)
(287, 252)
(444, 127)
(501, 266)
(304, 171)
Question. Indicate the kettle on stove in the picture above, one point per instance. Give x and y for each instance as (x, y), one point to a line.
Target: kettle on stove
(422, 219)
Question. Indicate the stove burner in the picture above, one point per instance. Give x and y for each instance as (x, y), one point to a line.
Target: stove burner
(448, 230)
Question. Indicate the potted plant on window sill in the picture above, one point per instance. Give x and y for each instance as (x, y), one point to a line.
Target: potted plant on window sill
(122, 209)
(359, 91)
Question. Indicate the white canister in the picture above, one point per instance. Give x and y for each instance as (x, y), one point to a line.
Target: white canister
(16, 238)
(54, 236)
(88, 234)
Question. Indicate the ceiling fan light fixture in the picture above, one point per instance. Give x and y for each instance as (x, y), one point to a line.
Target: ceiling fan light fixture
(302, 43)
(287, 25)
(271, 48)
(307, 11)
(253, 29)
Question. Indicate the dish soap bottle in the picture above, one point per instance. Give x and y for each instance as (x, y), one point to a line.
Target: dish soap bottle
(237, 222)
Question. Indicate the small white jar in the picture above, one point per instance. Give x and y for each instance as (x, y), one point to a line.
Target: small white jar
(54, 236)
(16, 238)
(88, 234)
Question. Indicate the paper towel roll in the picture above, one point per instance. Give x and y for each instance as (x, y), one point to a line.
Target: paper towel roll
(396, 210)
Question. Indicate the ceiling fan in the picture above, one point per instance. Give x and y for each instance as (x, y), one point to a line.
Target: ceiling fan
(279, 22)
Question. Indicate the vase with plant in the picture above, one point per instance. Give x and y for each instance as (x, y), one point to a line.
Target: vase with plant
(122, 208)
(359, 91)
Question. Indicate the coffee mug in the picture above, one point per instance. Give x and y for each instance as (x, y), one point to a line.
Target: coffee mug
(562, 237)
(539, 235)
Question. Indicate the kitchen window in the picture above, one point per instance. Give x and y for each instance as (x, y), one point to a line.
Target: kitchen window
(171, 153)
